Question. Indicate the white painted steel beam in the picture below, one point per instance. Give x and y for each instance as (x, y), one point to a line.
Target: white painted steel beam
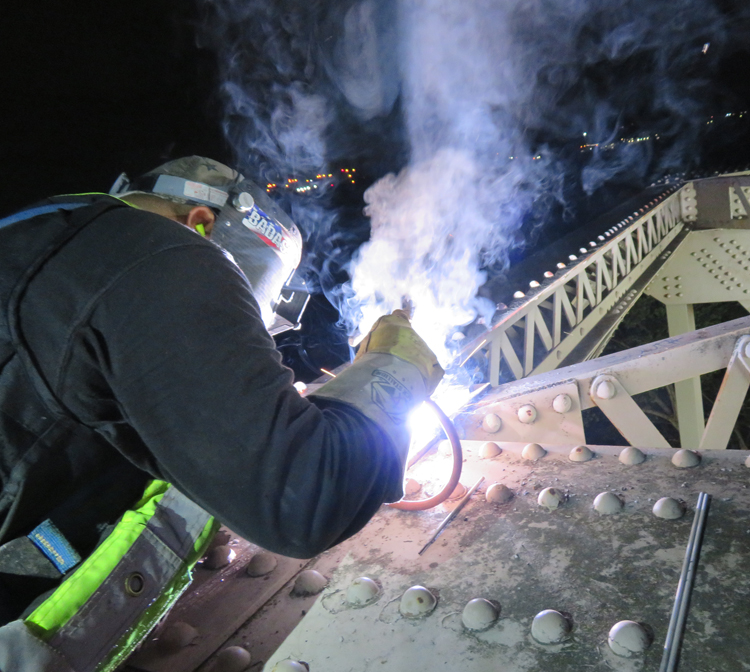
(622, 411)
(730, 399)
(688, 394)
(711, 266)
(562, 316)
(634, 371)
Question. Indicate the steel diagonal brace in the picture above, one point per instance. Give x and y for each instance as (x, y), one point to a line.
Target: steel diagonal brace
(731, 396)
(741, 196)
(617, 404)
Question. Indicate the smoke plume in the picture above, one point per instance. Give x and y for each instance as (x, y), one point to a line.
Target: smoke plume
(492, 99)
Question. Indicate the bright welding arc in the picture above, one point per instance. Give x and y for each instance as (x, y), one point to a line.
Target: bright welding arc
(450, 431)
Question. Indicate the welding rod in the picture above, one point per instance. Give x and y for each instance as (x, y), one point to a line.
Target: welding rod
(452, 515)
(684, 588)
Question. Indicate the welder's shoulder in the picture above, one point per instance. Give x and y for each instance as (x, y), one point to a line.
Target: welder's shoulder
(143, 229)
(128, 236)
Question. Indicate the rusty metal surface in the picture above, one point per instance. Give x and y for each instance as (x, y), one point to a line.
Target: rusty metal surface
(597, 569)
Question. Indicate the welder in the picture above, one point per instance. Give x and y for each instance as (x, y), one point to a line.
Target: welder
(142, 400)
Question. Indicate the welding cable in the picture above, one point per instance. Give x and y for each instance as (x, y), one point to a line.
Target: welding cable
(450, 432)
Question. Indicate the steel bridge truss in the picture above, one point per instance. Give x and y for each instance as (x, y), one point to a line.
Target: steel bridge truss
(692, 246)
(547, 408)
(570, 317)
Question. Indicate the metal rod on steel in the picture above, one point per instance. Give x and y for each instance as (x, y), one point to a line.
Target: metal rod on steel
(676, 629)
(452, 514)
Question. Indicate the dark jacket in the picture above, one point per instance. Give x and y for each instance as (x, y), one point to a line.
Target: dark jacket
(130, 348)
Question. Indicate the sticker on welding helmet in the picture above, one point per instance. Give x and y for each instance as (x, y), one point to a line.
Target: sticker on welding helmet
(203, 192)
(196, 190)
(270, 232)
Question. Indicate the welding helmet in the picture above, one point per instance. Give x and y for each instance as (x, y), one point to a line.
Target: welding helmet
(254, 232)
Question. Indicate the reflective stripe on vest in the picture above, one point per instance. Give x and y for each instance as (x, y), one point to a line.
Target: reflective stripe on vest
(97, 616)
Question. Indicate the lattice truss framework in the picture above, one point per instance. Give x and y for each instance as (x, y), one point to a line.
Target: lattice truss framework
(692, 246)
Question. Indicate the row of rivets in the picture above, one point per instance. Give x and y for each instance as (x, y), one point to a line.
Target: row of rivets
(592, 244)
(527, 414)
(625, 638)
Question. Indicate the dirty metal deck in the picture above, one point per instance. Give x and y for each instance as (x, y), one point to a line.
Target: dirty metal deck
(596, 569)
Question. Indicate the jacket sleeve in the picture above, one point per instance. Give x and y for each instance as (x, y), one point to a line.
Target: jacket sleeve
(190, 372)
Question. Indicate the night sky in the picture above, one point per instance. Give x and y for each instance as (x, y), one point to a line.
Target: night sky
(92, 89)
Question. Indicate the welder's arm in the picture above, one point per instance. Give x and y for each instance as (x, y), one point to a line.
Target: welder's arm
(199, 397)
(393, 371)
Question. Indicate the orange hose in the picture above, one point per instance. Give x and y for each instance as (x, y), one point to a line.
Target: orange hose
(450, 431)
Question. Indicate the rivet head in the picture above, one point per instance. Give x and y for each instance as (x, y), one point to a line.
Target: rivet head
(527, 414)
(550, 498)
(489, 450)
(219, 556)
(479, 614)
(607, 503)
(685, 459)
(362, 591)
(244, 202)
(233, 659)
(562, 403)
(533, 451)
(309, 582)
(416, 602)
(498, 493)
(606, 389)
(631, 456)
(580, 454)
(492, 423)
(668, 508)
(291, 666)
(550, 627)
(175, 637)
(261, 564)
(628, 638)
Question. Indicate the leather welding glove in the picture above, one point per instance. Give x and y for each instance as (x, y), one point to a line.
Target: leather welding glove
(393, 371)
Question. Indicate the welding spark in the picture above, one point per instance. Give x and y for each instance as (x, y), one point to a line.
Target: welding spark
(471, 354)
(326, 371)
(705, 47)
(423, 422)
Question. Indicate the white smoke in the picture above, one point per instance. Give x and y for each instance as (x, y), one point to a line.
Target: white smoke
(492, 94)
(478, 78)
(466, 189)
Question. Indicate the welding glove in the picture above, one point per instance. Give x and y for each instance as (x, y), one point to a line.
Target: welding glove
(393, 371)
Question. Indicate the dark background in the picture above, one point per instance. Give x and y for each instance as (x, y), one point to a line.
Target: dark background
(94, 89)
